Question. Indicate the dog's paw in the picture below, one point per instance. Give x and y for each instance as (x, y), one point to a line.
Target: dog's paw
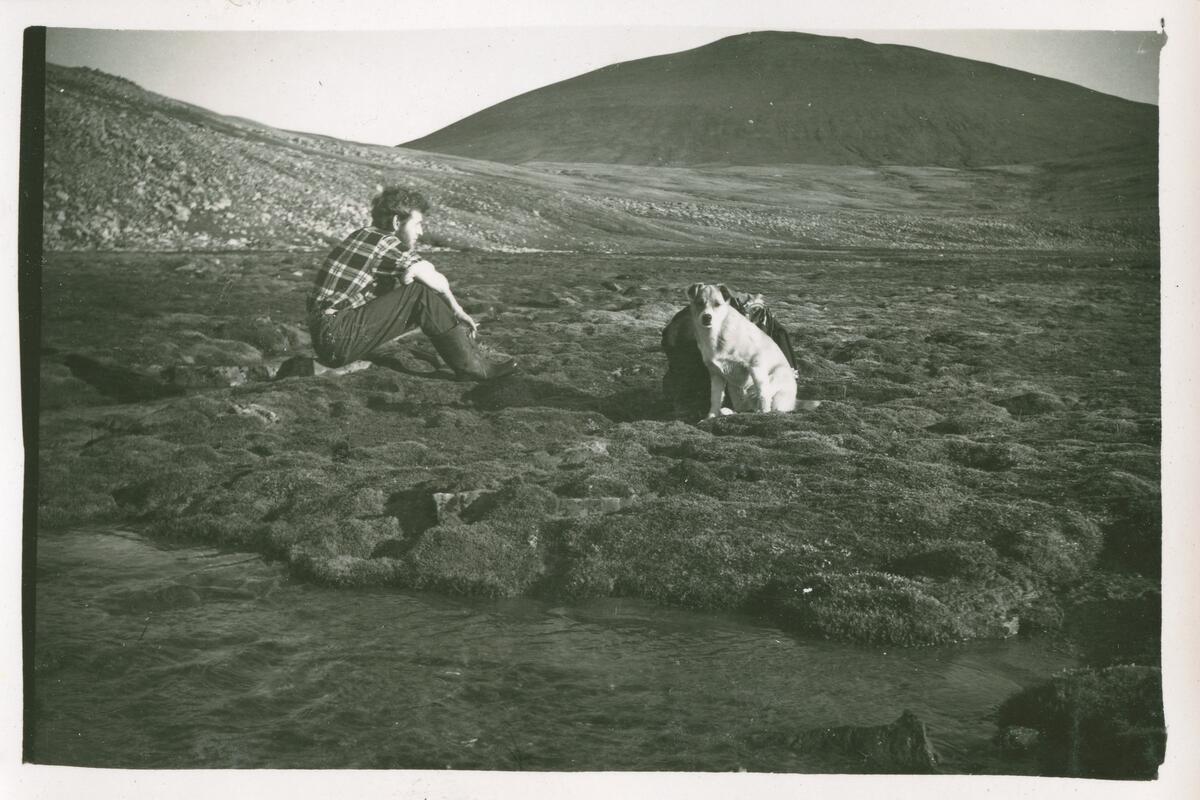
(725, 412)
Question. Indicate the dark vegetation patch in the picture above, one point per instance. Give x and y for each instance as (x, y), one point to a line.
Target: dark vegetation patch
(1104, 723)
(969, 472)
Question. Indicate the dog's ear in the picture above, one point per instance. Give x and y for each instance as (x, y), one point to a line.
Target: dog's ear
(694, 290)
(724, 290)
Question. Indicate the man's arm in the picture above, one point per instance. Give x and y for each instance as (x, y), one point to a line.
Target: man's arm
(424, 272)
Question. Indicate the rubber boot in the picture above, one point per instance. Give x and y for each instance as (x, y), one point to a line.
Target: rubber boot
(462, 354)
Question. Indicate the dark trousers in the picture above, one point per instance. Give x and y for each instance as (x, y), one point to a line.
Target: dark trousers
(351, 334)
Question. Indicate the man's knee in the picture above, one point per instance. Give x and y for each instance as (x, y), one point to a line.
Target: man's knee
(433, 311)
(415, 289)
(416, 296)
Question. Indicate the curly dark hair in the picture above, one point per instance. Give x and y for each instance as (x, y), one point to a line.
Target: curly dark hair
(396, 200)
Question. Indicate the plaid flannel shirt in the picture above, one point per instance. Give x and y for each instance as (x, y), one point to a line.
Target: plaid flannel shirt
(367, 263)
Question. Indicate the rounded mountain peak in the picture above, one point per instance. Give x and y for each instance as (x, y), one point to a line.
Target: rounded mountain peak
(774, 97)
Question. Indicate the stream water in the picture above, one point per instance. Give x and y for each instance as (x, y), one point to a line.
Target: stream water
(151, 656)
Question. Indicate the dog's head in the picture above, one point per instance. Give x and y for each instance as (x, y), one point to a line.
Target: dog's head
(708, 303)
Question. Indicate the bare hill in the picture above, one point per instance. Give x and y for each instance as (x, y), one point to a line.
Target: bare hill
(129, 169)
(793, 98)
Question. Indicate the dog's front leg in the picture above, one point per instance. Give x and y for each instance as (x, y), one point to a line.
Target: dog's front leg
(716, 393)
(762, 385)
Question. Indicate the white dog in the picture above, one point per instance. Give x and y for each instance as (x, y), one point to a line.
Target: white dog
(739, 356)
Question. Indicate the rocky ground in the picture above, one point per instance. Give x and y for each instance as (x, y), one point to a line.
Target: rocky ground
(984, 462)
(987, 442)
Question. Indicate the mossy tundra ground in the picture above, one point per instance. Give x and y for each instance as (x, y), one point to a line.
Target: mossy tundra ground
(985, 457)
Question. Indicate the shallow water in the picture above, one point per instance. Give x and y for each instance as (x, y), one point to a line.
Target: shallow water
(157, 657)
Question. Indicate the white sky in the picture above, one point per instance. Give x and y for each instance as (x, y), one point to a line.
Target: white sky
(394, 86)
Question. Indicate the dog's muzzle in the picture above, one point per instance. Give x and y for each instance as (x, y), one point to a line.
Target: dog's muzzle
(706, 320)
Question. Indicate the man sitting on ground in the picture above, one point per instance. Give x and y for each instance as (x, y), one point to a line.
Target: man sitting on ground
(374, 287)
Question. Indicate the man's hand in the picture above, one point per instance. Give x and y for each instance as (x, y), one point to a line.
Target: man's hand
(465, 319)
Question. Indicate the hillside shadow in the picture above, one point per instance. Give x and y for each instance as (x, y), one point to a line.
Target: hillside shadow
(522, 391)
